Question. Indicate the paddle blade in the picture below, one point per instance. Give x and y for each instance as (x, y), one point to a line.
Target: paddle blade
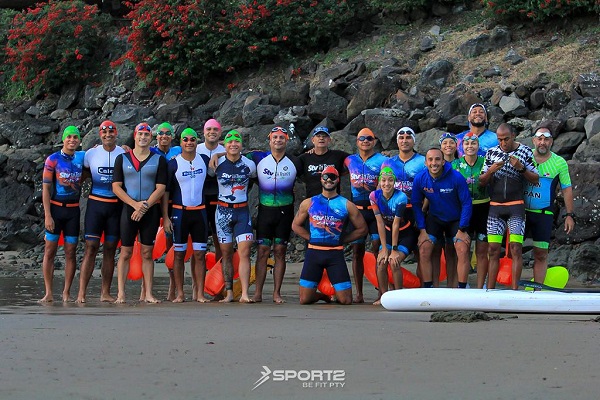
(170, 258)
(443, 273)
(556, 277)
(214, 282)
(370, 269)
(190, 250)
(504, 271)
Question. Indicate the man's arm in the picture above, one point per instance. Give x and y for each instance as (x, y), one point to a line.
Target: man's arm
(358, 221)
(569, 220)
(300, 218)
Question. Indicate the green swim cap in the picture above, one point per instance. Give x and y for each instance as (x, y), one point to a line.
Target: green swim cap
(232, 135)
(189, 132)
(387, 171)
(167, 126)
(70, 130)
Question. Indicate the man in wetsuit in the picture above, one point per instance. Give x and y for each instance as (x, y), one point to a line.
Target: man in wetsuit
(277, 173)
(363, 168)
(187, 173)
(448, 215)
(61, 188)
(539, 199)
(139, 181)
(508, 167)
(233, 221)
(478, 122)
(327, 214)
(210, 147)
(103, 212)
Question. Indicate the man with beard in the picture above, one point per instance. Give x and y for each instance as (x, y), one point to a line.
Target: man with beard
(478, 121)
(539, 199)
(507, 168)
(327, 214)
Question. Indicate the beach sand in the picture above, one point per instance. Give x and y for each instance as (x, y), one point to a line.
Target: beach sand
(219, 351)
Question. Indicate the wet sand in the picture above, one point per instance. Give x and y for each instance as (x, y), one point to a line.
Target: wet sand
(217, 351)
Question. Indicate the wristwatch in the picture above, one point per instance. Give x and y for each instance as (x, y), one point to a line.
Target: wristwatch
(395, 248)
(463, 229)
(572, 215)
(522, 171)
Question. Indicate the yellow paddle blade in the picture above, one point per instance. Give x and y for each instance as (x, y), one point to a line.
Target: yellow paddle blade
(556, 277)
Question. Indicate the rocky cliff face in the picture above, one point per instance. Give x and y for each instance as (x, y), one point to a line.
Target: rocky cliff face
(428, 91)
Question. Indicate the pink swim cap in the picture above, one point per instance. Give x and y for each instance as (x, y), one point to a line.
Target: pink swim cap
(212, 123)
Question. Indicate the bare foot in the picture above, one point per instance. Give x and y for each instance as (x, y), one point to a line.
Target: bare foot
(245, 299)
(106, 298)
(358, 299)
(218, 297)
(66, 298)
(80, 300)
(227, 299)
(152, 300)
(120, 300)
(377, 302)
(257, 298)
(142, 297)
(171, 295)
(202, 299)
(46, 299)
(277, 299)
(179, 299)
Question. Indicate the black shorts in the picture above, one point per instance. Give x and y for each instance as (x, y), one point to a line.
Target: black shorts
(331, 260)
(478, 222)
(438, 229)
(407, 239)
(538, 226)
(211, 211)
(103, 217)
(369, 217)
(66, 220)
(146, 227)
(274, 224)
(189, 223)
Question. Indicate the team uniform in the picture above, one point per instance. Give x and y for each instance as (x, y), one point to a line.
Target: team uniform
(173, 152)
(233, 216)
(103, 207)
(394, 207)
(313, 164)
(506, 187)
(276, 196)
(479, 195)
(449, 203)
(63, 172)
(405, 173)
(539, 198)
(139, 180)
(211, 187)
(487, 140)
(327, 218)
(364, 176)
(185, 186)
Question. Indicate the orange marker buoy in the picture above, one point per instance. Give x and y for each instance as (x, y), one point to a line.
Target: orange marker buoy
(135, 263)
(443, 273)
(170, 258)
(210, 260)
(160, 244)
(409, 280)
(325, 285)
(214, 282)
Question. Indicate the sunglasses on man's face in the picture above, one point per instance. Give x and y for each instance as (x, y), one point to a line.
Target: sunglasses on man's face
(107, 128)
(329, 177)
(189, 139)
(367, 138)
(547, 135)
(278, 129)
(163, 133)
(144, 128)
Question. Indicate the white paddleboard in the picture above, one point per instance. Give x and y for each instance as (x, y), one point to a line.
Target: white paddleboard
(494, 300)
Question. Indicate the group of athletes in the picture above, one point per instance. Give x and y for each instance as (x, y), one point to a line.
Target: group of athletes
(478, 184)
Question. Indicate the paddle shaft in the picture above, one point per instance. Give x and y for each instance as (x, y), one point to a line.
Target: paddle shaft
(541, 286)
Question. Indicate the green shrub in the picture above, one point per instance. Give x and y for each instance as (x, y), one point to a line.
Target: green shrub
(55, 43)
(182, 42)
(540, 9)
